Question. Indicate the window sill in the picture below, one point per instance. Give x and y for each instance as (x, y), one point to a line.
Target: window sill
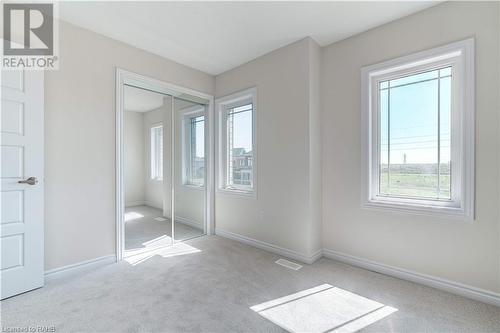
(156, 179)
(240, 192)
(418, 207)
(194, 187)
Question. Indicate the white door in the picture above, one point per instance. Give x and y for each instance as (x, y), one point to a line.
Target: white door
(21, 173)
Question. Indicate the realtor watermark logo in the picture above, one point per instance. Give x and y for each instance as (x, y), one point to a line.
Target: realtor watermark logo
(30, 36)
(29, 329)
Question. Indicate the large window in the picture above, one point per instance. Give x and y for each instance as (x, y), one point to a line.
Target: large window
(418, 145)
(237, 142)
(415, 135)
(157, 152)
(194, 148)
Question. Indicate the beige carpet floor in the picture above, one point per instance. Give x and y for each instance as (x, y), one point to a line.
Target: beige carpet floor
(211, 284)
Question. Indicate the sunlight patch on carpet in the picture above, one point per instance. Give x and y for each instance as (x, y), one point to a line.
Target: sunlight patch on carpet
(159, 241)
(323, 309)
(132, 216)
(142, 255)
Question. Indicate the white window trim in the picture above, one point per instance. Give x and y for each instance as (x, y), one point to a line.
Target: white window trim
(187, 114)
(461, 55)
(222, 105)
(152, 154)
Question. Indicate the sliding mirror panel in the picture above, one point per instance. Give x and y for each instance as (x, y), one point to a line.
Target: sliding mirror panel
(147, 168)
(189, 167)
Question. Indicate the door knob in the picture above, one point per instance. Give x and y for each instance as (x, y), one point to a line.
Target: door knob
(29, 181)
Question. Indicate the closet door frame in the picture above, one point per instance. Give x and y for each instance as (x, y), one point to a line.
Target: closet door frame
(124, 77)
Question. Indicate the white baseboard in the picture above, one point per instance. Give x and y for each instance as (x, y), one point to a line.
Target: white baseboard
(134, 203)
(474, 293)
(189, 222)
(141, 203)
(308, 259)
(79, 267)
(427, 280)
(316, 255)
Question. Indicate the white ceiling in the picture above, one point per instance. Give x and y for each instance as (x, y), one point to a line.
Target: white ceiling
(217, 36)
(140, 100)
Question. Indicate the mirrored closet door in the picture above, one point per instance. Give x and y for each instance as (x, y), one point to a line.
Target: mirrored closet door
(164, 169)
(146, 142)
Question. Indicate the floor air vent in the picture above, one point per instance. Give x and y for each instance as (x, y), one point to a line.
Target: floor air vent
(159, 218)
(289, 264)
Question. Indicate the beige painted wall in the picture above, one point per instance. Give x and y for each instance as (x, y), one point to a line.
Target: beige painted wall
(462, 252)
(133, 157)
(281, 213)
(80, 140)
(315, 144)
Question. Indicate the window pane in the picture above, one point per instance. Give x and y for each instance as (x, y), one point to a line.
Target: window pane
(240, 155)
(197, 158)
(445, 139)
(414, 78)
(157, 152)
(384, 141)
(445, 72)
(415, 136)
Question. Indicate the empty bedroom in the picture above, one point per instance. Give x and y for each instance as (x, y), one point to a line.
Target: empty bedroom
(239, 166)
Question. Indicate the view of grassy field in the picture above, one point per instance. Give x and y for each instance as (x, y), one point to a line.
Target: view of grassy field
(415, 184)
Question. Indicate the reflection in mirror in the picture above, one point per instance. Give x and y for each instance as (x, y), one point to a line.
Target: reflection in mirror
(146, 154)
(189, 168)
